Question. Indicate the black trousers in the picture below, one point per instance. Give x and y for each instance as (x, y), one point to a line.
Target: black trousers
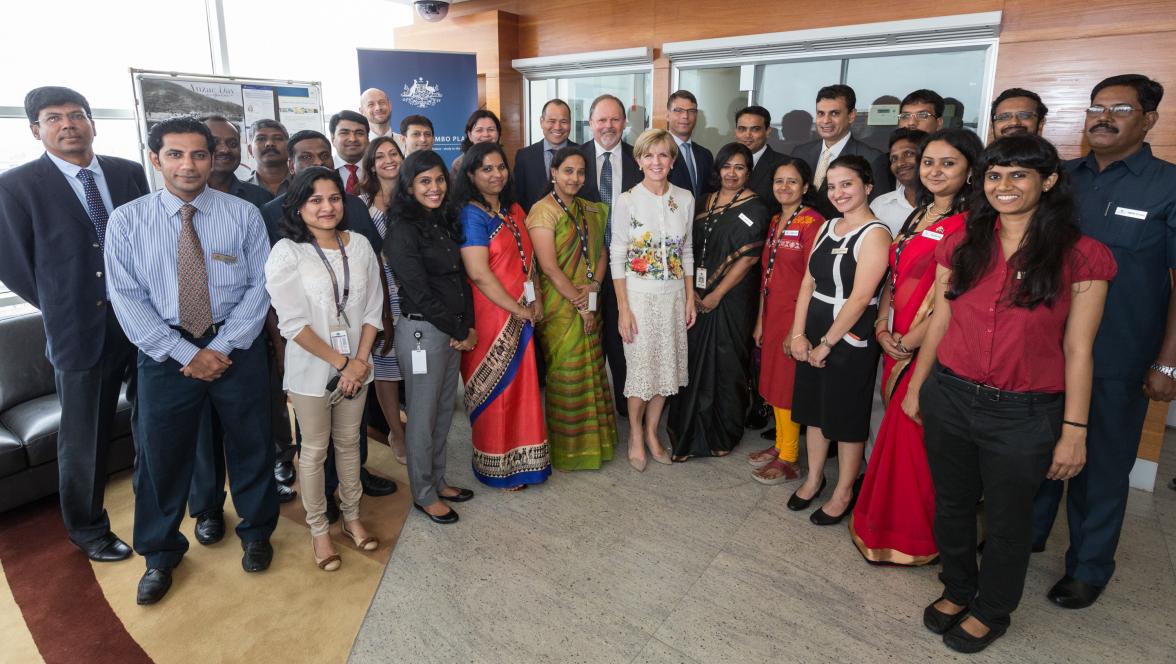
(1001, 450)
(614, 347)
(89, 399)
(170, 408)
(1096, 499)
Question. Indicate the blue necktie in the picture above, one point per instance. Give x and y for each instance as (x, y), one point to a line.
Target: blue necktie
(606, 194)
(96, 207)
(688, 156)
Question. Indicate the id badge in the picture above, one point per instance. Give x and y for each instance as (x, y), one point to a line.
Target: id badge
(340, 342)
(591, 301)
(419, 365)
(529, 291)
(700, 277)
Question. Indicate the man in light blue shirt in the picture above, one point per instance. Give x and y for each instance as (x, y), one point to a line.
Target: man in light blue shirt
(186, 276)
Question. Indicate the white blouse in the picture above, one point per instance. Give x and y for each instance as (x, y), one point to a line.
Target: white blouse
(651, 241)
(300, 292)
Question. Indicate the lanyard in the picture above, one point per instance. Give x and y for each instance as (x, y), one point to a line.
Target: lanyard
(774, 244)
(509, 221)
(581, 231)
(340, 303)
(904, 238)
(708, 224)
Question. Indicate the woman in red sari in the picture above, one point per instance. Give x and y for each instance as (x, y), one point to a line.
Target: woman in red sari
(501, 379)
(896, 506)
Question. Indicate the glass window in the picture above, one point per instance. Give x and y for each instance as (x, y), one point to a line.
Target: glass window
(719, 97)
(633, 90)
(789, 90)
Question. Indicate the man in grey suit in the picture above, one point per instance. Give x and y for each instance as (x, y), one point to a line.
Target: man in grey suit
(836, 112)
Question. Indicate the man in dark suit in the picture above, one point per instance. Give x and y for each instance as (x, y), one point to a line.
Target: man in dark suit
(53, 214)
(836, 112)
(692, 169)
(753, 125)
(609, 170)
(532, 169)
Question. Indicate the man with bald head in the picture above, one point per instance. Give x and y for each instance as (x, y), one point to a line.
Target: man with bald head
(374, 105)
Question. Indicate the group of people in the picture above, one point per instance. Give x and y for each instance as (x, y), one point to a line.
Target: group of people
(605, 279)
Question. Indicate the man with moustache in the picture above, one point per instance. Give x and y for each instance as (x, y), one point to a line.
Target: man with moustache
(753, 125)
(836, 112)
(349, 134)
(418, 133)
(609, 170)
(226, 157)
(893, 208)
(374, 106)
(692, 168)
(268, 149)
(1126, 198)
(922, 110)
(532, 170)
(1017, 111)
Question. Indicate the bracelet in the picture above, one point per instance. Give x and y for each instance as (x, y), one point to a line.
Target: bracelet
(796, 336)
(884, 321)
(346, 361)
(1074, 424)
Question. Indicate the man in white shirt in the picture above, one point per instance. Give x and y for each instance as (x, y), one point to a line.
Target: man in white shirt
(349, 136)
(894, 207)
(375, 106)
(753, 125)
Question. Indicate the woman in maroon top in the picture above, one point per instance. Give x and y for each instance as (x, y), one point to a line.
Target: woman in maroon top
(1003, 384)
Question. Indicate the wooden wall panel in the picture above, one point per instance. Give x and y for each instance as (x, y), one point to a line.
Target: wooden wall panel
(1037, 20)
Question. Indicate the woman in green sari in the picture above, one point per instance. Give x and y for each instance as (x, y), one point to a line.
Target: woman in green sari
(568, 236)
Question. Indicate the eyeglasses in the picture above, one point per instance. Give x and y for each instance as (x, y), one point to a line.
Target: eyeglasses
(1009, 115)
(684, 111)
(55, 119)
(921, 115)
(1118, 110)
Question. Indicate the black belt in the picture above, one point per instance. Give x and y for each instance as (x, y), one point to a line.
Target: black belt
(212, 330)
(997, 394)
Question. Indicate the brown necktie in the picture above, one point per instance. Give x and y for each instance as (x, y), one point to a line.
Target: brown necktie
(195, 307)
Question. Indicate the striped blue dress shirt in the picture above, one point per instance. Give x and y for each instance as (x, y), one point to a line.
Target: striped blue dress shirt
(141, 260)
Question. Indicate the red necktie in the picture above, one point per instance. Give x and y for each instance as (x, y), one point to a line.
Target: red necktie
(352, 179)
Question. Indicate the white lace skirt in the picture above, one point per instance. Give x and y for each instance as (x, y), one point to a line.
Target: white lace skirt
(656, 361)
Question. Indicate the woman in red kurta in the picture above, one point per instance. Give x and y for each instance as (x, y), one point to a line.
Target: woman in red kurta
(784, 261)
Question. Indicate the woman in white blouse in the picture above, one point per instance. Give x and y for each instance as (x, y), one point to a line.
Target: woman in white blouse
(324, 283)
(652, 263)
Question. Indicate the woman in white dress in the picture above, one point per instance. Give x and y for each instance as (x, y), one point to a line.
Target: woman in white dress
(652, 261)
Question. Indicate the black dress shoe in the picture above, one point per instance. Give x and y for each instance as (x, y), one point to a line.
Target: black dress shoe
(768, 434)
(376, 486)
(284, 472)
(940, 622)
(332, 510)
(444, 519)
(153, 586)
(258, 555)
(107, 548)
(1070, 593)
(796, 503)
(960, 641)
(822, 518)
(210, 527)
(286, 493)
(461, 496)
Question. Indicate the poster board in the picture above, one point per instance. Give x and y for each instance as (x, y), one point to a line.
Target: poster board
(160, 95)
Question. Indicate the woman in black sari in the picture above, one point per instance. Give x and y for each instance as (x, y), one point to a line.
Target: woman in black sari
(706, 417)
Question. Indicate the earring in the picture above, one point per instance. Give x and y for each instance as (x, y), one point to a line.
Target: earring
(969, 180)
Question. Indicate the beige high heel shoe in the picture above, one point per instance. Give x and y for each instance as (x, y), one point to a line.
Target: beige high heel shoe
(328, 564)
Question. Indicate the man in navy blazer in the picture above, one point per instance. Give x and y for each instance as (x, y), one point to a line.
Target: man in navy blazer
(692, 169)
(532, 169)
(836, 112)
(53, 214)
(606, 117)
(753, 125)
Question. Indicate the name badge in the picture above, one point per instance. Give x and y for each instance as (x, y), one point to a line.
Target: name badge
(791, 233)
(700, 277)
(529, 291)
(840, 251)
(591, 301)
(744, 219)
(1128, 212)
(232, 260)
(419, 364)
(339, 341)
(932, 235)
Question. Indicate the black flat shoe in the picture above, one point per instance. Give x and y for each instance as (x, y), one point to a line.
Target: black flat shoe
(210, 527)
(444, 519)
(153, 586)
(1070, 593)
(822, 518)
(940, 622)
(796, 503)
(286, 493)
(461, 496)
(284, 472)
(376, 486)
(107, 548)
(960, 641)
(258, 555)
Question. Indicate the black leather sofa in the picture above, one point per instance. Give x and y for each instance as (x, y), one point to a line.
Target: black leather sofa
(30, 415)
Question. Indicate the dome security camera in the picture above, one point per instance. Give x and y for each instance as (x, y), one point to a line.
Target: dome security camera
(432, 10)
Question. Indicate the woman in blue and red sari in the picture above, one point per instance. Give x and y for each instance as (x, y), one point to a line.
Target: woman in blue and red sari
(500, 374)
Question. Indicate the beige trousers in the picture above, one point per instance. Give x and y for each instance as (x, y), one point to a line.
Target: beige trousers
(322, 425)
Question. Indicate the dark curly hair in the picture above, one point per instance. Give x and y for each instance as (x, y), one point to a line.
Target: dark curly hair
(723, 156)
(464, 189)
(808, 198)
(406, 209)
(371, 182)
(473, 120)
(968, 144)
(1053, 229)
(291, 225)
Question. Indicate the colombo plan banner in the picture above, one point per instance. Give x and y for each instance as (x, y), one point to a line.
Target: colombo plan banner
(440, 86)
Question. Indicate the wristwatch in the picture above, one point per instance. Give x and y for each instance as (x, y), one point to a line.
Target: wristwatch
(825, 342)
(1168, 371)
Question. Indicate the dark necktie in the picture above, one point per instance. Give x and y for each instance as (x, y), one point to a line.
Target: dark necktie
(195, 309)
(352, 183)
(548, 157)
(606, 191)
(94, 204)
